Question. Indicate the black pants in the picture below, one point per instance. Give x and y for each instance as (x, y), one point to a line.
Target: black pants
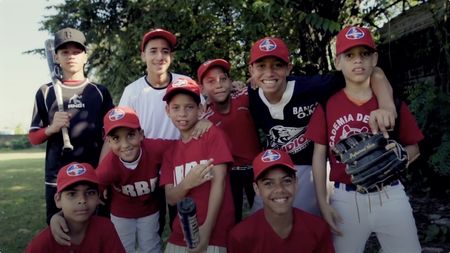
(241, 180)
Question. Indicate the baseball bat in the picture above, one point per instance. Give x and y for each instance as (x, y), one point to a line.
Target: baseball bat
(54, 73)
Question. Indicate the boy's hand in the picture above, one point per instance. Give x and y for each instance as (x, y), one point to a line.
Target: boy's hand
(332, 217)
(382, 120)
(60, 120)
(199, 174)
(59, 229)
(202, 126)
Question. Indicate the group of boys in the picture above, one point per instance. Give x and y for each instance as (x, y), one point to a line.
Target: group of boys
(215, 168)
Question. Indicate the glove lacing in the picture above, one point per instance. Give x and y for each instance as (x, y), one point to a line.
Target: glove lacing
(364, 189)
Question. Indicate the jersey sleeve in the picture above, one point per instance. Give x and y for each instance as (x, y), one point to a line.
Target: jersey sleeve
(325, 244)
(220, 148)
(107, 101)
(125, 98)
(317, 130)
(166, 175)
(40, 115)
(111, 240)
(409, 131)
(236, 243)
(106, 170)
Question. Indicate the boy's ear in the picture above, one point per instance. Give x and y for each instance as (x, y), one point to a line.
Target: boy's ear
(289, 68)
(255, 187)
(337, 61)
(143, 56)
(374, 59)
(57, 198)
(167, 108)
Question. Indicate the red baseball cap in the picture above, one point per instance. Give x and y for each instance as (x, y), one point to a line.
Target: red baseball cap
(74, 173)
(120, 116)
(212, 63)
(269, 46)
(182, 85)
(353, 36)
(270, 158)
(159, 33)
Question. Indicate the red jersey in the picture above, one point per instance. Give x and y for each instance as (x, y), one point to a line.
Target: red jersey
(100, 237)
(344, 118)
(255, 235)
(132, 189)
(181, 158)
(238, 125)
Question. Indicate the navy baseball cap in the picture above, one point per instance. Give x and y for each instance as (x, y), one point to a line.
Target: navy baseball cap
(67, 35)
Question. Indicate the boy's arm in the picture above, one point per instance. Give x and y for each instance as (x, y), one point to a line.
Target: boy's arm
(197, 176)
(320, 176)
(59, 229)
(383, 118)
(413, 152)
(214, 203)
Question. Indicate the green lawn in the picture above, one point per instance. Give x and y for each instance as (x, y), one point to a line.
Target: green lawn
(22, 204)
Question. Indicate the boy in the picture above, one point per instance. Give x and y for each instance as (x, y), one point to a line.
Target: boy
(281, 108)
(77, 195)
(348, 213)
(132, 169)
(85, 105)
(279, 227)
(208, 185)
(229, 111)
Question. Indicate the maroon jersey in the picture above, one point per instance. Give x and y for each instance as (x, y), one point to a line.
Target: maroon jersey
(181, 158)
(344, 118)
(238, 125)
(255, 235)
(132, 189)
(100, 237)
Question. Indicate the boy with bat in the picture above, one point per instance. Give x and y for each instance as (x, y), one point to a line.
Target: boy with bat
(84, 105)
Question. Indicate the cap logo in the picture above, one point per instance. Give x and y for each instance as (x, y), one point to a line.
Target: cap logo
(270, 156)
(68, 34)
(180, 83)
(116, 114)
(354, 33)
(267, 45)
(75, 170)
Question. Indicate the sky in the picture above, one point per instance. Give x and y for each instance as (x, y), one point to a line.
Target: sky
(21, 74)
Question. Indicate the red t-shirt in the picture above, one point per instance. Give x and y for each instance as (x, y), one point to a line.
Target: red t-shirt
(100, 237)
(238, 125)
(177, 163)
(255, 235)
(344, 118)
(132, 189)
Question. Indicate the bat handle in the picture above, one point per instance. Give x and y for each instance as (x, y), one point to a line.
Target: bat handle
(66, 139)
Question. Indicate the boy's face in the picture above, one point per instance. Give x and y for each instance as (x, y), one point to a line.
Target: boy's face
(183, 111)
(276, 188)
(78, 203)
(158, 56)
(125, 143)
(269, 73)
(71, 58)
(216, 85)
(356, 64)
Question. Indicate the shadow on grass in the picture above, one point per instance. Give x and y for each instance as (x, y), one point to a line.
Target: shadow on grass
(22, 204)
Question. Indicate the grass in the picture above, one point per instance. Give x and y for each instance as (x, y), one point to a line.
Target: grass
(22, 204)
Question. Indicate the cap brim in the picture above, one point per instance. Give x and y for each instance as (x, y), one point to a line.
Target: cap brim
(285, 166)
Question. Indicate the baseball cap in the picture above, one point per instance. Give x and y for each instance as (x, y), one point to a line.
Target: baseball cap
(269, 46)
(120, 116)
(183, 85)
(270, 158)
(212, 63)
(353, 36)
(67, 35)
(73, 173)
(159, 33)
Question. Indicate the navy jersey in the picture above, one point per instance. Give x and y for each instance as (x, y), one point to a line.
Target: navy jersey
(301, 97)
(87, 103)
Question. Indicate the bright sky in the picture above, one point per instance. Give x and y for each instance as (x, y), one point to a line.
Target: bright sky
(21, 74)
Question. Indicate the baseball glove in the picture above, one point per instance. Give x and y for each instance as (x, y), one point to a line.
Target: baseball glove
(371, 160)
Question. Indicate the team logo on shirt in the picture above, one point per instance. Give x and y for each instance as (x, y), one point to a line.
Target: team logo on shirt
(267, 45)
(75, 170)
(288, 139)
(116, 114)
(354, 33)
(270, 156)
(76, 102)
